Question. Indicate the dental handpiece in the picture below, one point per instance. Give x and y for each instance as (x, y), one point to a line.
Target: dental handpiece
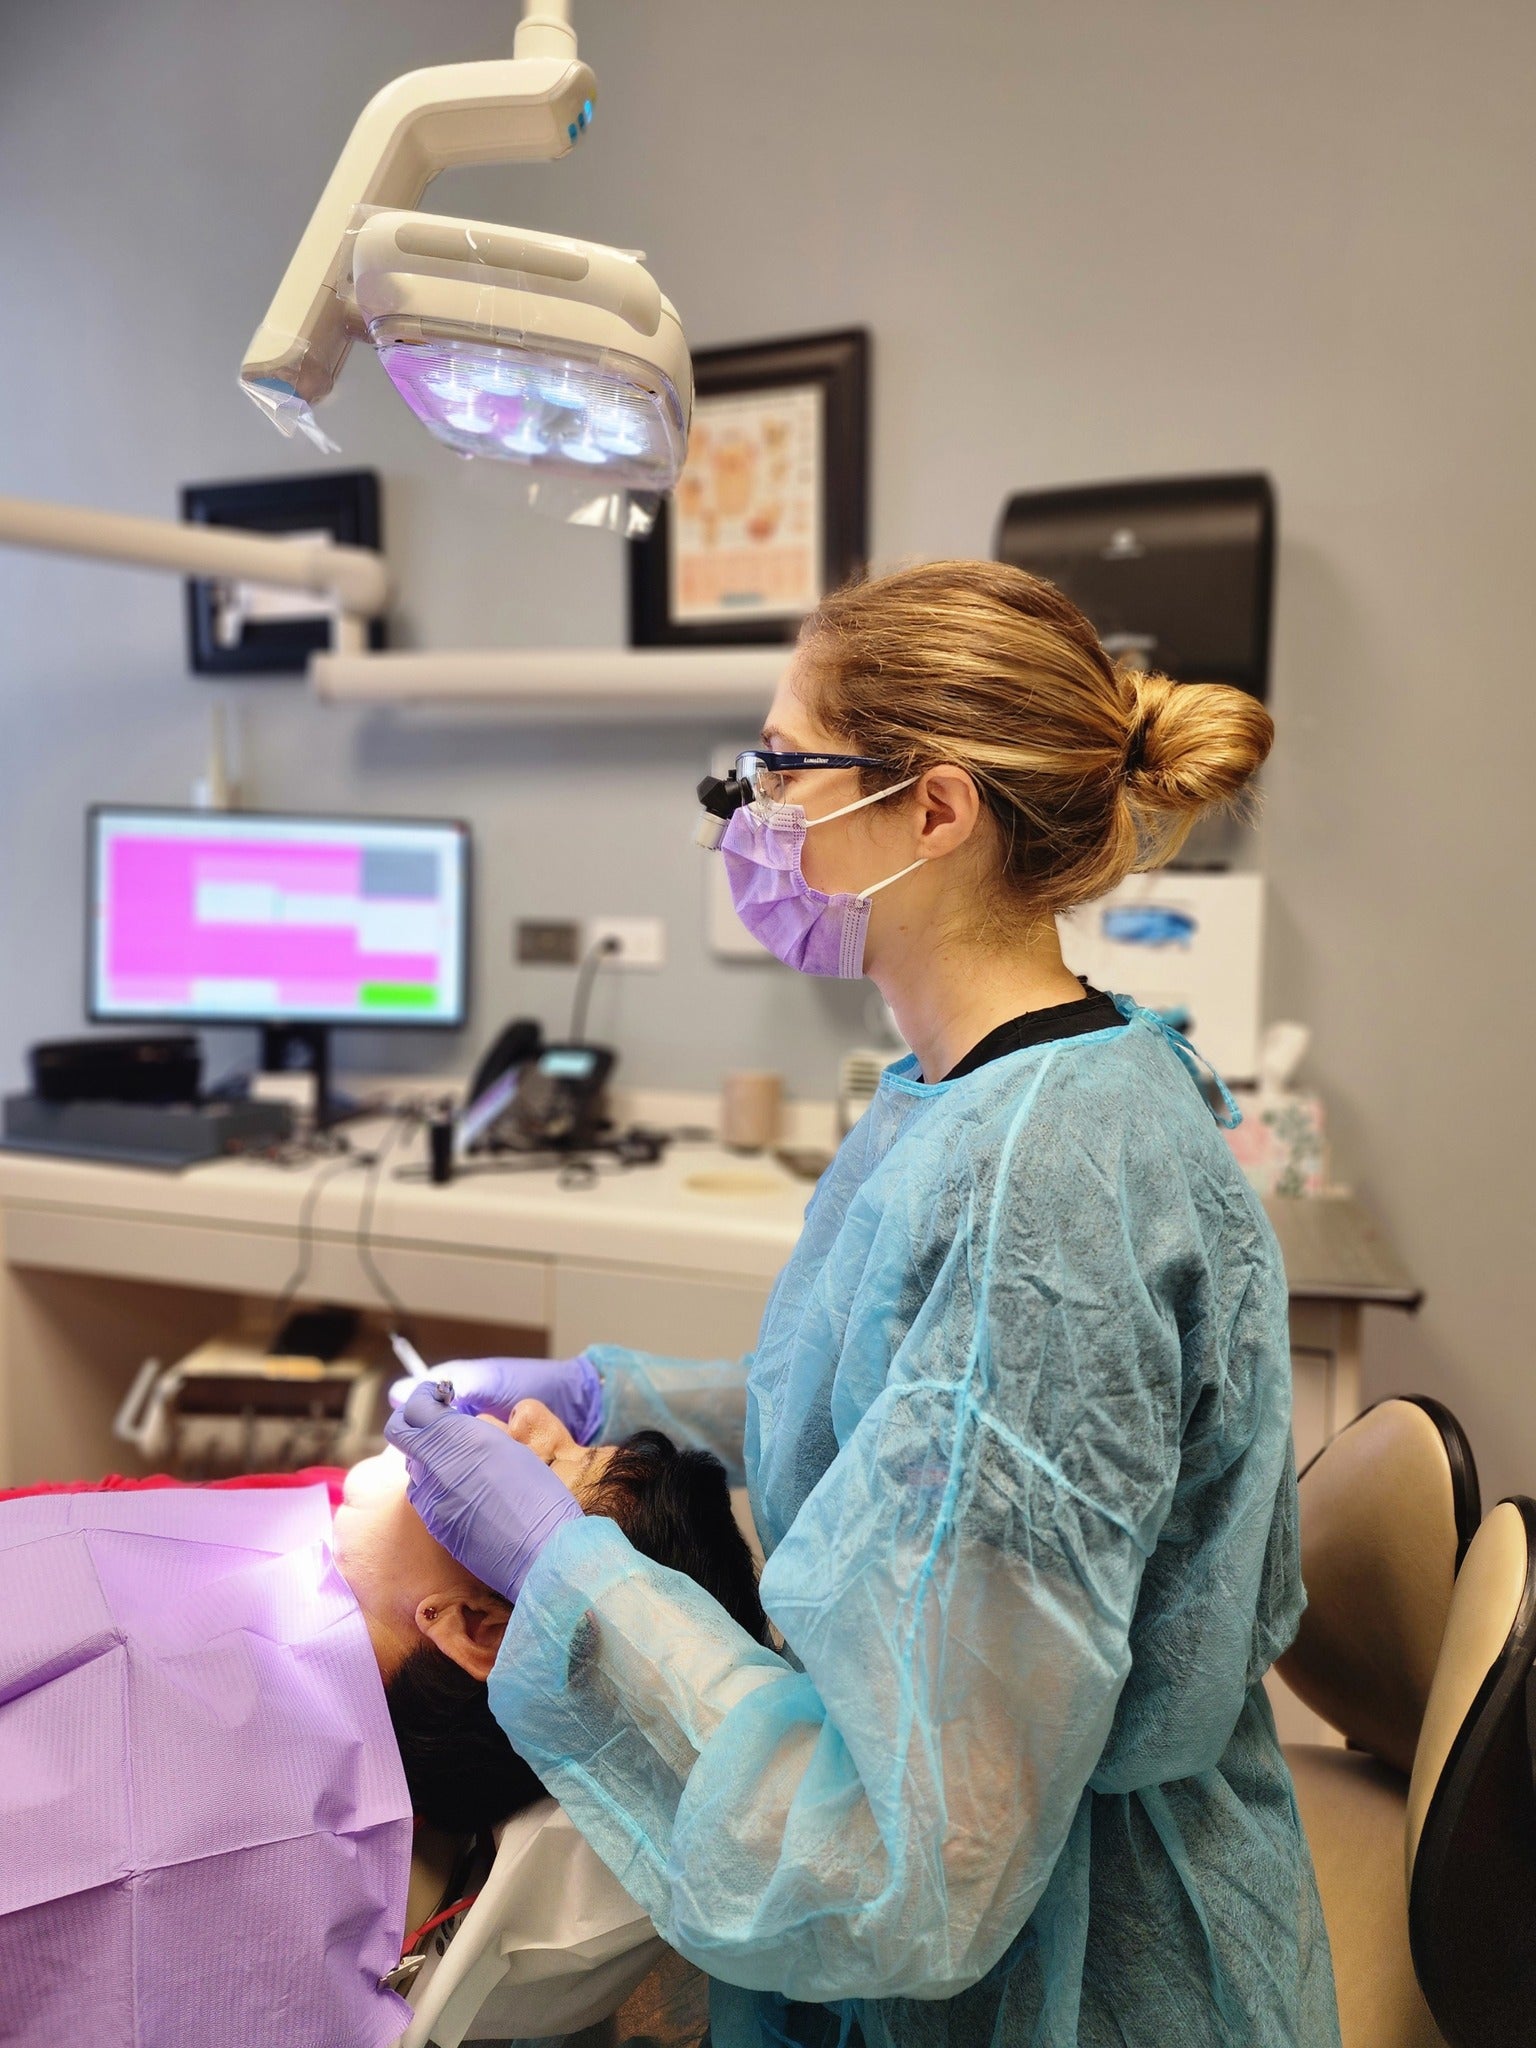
(408, 1355)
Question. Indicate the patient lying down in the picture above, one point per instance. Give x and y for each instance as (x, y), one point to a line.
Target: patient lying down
(436, 1629)
(204, 1833)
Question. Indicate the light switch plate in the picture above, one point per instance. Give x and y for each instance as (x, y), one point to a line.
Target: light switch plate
(546, 942)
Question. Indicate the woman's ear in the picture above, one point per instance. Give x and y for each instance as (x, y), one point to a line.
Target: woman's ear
(949, 808)
(466, 1627)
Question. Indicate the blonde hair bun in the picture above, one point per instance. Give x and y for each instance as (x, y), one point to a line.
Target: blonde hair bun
(1192, 745)
(1090, 771)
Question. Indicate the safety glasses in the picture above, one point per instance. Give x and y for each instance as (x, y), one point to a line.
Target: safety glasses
(762, 775)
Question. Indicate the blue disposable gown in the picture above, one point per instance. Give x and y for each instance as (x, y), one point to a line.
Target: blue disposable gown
(1017, 1434)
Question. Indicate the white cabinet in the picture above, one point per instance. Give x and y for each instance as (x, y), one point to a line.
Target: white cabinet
(681, 1315)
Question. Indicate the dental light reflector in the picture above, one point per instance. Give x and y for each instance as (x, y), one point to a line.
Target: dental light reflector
(530, 348)
(526, 347)
(543, 409)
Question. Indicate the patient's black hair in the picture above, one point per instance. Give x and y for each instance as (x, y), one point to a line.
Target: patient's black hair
(462, 1773)
(675, 1507)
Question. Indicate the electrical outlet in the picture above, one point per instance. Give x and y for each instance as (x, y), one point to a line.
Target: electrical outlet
(546, 942)
(642, 941)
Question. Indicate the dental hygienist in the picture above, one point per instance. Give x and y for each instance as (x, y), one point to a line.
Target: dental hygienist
(1017, 1430)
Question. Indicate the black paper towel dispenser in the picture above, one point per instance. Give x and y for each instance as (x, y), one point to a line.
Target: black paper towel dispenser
(1176, 573)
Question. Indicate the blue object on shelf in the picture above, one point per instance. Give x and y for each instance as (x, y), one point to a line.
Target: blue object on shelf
(1148, 924)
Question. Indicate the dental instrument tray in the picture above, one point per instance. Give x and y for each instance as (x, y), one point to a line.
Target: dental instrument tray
(231, 1406)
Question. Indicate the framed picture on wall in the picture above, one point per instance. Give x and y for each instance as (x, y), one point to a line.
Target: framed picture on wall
(239, 628)
(771, 510)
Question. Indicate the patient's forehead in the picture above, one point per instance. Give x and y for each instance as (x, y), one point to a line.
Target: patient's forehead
(376, 1514)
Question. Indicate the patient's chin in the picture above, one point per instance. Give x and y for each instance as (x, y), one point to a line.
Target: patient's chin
(366, 1526)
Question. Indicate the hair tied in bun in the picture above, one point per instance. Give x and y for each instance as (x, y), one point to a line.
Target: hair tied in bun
(1092, 770)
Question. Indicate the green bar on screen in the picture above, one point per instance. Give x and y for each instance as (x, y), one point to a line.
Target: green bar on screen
(398, 995)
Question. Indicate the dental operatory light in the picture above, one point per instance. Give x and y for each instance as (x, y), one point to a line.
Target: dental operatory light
(559, 355)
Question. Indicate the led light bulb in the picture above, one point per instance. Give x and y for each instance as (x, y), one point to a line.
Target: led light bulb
(525, 438)
(564, 391)
(500, 378)
(582, 448)
(446, 378)
(620, 431)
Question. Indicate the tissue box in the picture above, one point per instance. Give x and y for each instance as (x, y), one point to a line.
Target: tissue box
(1280, 1143)
(1186, 944)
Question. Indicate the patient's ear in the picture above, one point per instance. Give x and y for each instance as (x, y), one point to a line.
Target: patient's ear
(466, 1627)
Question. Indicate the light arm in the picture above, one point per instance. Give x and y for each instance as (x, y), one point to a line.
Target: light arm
(355, 577)
(545, 30)
(529, 108)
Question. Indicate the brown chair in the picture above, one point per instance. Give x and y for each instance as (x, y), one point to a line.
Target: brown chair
(1471, 1830)
(1387, 1511)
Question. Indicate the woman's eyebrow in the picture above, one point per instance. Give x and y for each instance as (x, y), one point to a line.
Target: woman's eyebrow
(776, 742)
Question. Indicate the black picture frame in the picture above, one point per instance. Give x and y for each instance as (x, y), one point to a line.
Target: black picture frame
(342, 502)
(838, 362)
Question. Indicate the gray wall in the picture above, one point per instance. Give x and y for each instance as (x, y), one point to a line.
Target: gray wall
(1089, 241)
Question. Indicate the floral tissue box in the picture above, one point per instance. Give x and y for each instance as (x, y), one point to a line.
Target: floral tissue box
(1280, 1143)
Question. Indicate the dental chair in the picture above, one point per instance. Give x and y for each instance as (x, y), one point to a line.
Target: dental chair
(1471, 1808)
(552, 1943)
(1388, 1509)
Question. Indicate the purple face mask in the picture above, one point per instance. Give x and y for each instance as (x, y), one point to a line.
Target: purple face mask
(807, 930)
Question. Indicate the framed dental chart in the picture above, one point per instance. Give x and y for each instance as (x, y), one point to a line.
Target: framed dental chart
(771, 510)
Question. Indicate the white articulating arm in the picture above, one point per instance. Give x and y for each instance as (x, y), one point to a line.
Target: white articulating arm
(355, 577)
(545, 30)
(579, 683)
(522, 109)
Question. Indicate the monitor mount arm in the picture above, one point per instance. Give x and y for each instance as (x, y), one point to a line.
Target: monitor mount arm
(530, 108)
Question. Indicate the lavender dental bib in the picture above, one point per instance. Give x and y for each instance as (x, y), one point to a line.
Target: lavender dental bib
(205, 1834)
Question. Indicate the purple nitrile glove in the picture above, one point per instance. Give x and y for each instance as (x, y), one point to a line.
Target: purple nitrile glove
(568, 1387)
(489, 1500)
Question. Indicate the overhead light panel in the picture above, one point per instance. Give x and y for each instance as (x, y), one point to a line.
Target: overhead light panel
(561, 356)
(527, 347)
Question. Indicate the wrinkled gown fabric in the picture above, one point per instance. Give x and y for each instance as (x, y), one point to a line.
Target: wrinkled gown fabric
(1017, 1434)
(205, 1834)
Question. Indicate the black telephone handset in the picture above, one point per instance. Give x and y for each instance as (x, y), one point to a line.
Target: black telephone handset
(516, 1043)
(530, 1097)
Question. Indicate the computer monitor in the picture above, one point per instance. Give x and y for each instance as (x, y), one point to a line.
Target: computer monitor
(295, 924)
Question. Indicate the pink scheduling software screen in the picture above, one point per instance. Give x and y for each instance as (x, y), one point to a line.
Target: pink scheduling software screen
(201, 915)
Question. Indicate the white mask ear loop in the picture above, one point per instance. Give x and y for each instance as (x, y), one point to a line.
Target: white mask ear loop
(879, 797)
(875, 887)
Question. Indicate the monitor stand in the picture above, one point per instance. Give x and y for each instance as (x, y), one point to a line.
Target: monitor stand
(305, 1049)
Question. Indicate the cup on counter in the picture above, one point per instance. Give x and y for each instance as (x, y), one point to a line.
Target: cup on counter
(749, 1110)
